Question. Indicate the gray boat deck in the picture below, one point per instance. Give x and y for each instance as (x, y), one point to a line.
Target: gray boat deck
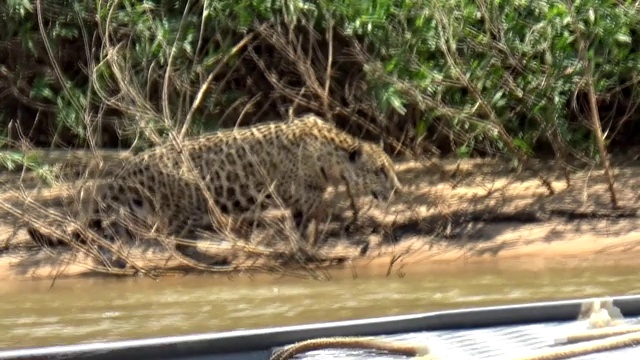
(501, 342)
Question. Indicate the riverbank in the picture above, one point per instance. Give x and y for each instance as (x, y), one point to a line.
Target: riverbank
(466, 213)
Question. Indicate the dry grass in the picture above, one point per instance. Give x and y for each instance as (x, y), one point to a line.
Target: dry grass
(476, 207)
(465, 210)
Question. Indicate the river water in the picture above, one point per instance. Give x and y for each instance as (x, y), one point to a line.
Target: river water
(34, 313)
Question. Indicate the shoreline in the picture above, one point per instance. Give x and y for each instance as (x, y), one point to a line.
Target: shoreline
(485, 215)
(582, 251)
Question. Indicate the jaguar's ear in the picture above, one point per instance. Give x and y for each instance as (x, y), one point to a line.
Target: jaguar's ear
(355, 153)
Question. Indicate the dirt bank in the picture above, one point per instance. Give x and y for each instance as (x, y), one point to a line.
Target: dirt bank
(467, 213)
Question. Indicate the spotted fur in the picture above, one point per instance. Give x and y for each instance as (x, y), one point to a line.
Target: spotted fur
(244, 170)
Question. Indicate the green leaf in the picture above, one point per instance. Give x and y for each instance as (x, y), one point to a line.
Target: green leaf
(622, 38)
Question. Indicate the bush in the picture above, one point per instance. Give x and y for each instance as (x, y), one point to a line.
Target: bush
(469, 77)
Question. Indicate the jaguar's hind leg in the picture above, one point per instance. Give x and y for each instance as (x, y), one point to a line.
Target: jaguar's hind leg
(44, 240)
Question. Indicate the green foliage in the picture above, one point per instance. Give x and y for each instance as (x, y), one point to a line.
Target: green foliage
(504, 76)
(17, 161)
(521, 58)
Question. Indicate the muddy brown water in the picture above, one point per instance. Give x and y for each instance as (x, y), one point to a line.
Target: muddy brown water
(32, 313)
